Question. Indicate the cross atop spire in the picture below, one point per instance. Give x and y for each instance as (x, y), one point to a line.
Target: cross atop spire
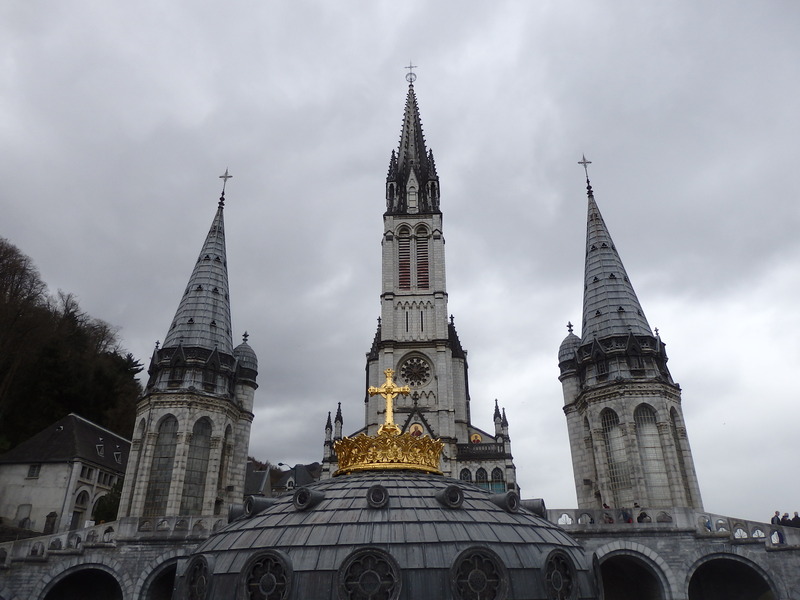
(411, 77)
(585, 164)
(224, 178)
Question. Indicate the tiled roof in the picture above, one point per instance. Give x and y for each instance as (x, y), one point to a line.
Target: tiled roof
(411, 520)
(203, 318)
(610, 305)
(70, 438)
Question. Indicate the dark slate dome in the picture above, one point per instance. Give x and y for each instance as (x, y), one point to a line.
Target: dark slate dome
(388, 535)
(246, 356)
(568, 347)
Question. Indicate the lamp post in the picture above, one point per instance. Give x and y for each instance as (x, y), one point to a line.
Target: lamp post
(294, 473)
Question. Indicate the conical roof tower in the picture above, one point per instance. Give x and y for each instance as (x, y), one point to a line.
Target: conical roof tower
(195, 413)
(628, 439)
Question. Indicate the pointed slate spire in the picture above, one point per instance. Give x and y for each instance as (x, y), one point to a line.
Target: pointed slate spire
(412, 185)
(338, 418)
(329, 425)
(203, 318)
(610, 305)
(497, 416)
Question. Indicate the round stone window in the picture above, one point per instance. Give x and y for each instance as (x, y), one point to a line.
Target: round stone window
(559, 574)
(416, 371)
(268, 577)
(478, 574)
(198, 579)
(369, 574)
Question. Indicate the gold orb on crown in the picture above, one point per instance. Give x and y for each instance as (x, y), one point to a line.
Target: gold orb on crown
(390, 449)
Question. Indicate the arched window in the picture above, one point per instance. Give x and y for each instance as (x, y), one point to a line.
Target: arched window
(209, 379)
(651, 455)
(155, 501)
(465, 475)
(498, 484)
(194, 483)
(423, 268)
(616, 458)
(481, 478)
(404, 258)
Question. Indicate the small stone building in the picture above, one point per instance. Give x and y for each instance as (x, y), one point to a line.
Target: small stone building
(53, 481)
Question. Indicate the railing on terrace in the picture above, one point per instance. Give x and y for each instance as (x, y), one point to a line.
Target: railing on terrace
(741, 531)
(107, 534)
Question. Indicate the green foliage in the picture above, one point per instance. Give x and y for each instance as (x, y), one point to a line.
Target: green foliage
(55, 359)
(108, 506)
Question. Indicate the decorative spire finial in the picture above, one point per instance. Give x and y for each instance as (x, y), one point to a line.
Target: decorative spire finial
(411, 77)
(569, 326)
(585, 163)
(245, 336)
(224, 178)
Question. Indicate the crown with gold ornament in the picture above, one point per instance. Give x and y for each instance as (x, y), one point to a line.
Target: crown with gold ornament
(390, 449)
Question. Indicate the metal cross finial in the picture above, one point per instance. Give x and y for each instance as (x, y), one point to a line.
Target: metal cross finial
(389, 391)
(411, 77)
(656, 330)
(569, 326)
(245, 336)
(225, 178)
(585, 163)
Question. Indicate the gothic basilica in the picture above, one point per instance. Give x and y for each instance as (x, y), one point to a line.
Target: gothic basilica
(416, 502)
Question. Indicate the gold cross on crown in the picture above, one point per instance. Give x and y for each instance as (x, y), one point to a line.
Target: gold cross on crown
(389, 391)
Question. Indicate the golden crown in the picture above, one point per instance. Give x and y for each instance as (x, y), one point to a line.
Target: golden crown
(390, 449)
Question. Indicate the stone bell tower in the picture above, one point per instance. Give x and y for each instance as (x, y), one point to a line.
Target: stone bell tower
(189, 447)
(415, 336)
(624, 415)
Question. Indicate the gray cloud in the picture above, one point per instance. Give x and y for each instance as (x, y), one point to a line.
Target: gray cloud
(115, 122)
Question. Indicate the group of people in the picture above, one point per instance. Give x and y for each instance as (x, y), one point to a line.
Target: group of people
(784, 520)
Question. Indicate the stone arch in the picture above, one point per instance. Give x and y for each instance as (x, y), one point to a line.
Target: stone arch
(722, 576)
(621, 557)
(143, 587)
(7, 594)
(94, 561)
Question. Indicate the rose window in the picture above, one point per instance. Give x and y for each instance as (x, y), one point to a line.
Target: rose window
(369, 574)
(268, 578)
(415, 371)
(478, 575)
(559, 577)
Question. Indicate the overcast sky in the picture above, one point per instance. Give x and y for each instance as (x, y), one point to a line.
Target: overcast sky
(117, 119)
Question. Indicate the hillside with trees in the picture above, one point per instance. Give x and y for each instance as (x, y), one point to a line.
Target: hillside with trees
(55, 359)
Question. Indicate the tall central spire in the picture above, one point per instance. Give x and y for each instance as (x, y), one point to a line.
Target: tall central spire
(412, 185)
